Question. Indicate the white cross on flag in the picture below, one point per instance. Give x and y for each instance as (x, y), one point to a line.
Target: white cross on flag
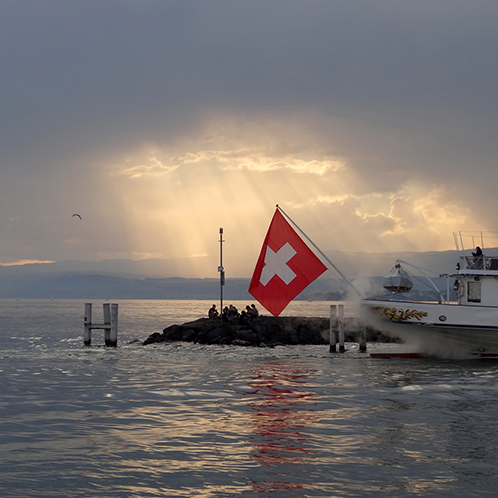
(285, 267)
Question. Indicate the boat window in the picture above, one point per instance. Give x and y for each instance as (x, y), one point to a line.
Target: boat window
(474, 292)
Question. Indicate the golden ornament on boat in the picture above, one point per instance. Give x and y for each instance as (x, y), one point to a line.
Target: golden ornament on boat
(399, 314)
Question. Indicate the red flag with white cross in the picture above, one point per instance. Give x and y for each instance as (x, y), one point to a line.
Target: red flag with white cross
(285, 267)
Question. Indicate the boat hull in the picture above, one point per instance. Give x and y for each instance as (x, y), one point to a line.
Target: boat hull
(442, 330)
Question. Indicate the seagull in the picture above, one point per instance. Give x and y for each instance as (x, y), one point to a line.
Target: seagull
(76, 214)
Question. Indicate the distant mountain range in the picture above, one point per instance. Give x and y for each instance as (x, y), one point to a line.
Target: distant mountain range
(153, 278)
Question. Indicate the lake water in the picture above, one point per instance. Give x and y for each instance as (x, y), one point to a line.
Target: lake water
(186, 420)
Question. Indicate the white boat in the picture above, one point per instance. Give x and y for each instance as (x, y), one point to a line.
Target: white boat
(467, 327)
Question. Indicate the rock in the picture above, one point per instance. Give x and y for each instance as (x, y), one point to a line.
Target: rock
(263, 331)
(246, 335)
(189, 336)
(155, 337)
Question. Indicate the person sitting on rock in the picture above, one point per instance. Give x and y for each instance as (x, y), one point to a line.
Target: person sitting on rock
(232, 312)
(213, 312)
(251, 311)
(243, 318)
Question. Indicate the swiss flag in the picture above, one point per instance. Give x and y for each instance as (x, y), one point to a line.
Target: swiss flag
(285, 267)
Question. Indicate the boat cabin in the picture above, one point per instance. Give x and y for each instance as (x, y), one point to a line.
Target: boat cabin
(476, 282)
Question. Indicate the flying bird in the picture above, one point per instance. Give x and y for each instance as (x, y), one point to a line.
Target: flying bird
(76, 214)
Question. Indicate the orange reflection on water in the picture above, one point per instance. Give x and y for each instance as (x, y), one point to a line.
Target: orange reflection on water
(281, 407)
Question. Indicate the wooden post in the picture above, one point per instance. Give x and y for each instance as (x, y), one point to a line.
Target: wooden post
(113, 339)
(87, 332)
(340, 329)
(107, 320)
(110, 324)
(332, 328)
(363, 340)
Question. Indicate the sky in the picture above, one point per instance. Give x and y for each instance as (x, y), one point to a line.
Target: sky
(372, 123)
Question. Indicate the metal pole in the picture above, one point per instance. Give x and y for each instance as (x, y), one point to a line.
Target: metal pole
(222, 271)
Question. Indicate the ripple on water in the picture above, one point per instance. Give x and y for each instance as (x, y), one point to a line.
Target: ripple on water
(193, 420)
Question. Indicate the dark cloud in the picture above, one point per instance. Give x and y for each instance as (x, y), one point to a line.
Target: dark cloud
(402, 93)
(69, 61)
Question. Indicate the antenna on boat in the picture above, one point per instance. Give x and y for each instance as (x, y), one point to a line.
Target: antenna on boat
(321, 252)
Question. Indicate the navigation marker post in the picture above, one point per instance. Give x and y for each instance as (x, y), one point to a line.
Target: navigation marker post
(222, 271)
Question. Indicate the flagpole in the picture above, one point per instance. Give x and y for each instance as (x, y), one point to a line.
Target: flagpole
(320, 251)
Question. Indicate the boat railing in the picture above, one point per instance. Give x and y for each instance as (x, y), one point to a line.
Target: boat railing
(480, 262)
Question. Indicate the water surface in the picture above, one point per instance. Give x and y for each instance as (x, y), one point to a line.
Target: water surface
(186, 420)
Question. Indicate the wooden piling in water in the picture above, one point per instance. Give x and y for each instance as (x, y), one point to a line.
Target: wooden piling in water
(336, 329)
(87, 333)
(340, 327)
(332, 327)
(363, 340)
(110, 324)
(113, 338)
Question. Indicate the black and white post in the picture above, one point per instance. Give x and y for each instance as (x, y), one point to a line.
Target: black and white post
(221, 270)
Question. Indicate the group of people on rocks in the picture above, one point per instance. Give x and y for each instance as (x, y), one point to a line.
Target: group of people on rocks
(229, 313)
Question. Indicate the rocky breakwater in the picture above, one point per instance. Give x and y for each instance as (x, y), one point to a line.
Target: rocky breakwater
(261, 331)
